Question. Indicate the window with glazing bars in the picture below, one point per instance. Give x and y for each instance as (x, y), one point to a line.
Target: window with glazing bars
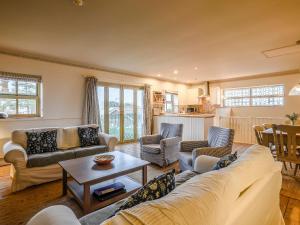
(271, 95)
(20, 94)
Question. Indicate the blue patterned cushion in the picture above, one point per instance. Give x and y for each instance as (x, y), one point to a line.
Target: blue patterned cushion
(88, 136)
(154, 189)
(225, 161)
(41, 142)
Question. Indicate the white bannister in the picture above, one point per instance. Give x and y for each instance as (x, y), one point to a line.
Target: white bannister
(243, 126)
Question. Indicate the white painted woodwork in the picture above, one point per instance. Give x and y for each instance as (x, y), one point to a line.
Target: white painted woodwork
(194, 128)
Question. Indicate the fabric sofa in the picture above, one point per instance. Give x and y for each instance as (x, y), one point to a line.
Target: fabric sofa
(244, 193)
(28, 170)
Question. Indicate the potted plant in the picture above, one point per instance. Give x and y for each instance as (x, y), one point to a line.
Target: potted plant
(293, 117)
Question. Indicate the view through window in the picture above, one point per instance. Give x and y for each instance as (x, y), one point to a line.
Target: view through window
(272, 95)
(171, 105)
(121, 111)
(19, 94)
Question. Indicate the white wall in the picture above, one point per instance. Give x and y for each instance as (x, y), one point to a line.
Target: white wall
(63, 92)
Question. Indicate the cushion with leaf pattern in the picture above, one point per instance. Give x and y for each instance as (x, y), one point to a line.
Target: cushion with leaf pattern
(225, 161)
(88, 136)
(41, 141)
(154, 189)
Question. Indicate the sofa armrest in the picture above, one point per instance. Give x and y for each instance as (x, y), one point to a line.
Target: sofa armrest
(108, 140)
(54, 215)
(150, 139)
(189, 146)
(210, 151)
(167, 142)
(15, 154)
(205, 163)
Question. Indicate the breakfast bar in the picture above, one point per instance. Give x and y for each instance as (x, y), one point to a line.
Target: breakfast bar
(195, 126)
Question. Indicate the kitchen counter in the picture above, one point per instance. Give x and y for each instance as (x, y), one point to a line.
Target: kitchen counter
(189, 115)
(195, 126)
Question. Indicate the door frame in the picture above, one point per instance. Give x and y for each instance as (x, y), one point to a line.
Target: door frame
(106, 108)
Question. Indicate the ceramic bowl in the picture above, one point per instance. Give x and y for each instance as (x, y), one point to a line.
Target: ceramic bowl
(103, 159)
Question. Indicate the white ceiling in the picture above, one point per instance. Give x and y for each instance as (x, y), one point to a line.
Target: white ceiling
(223, 39)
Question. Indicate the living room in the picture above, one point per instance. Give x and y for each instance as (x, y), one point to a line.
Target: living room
(171, 90)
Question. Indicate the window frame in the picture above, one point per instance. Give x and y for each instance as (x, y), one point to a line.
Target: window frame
(172, 102)
(17, 77)
(251, 96)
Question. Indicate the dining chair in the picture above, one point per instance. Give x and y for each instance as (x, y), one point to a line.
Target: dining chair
(258, 133)
(285, 139)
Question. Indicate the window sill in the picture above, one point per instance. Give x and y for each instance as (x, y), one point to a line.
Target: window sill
(11, 119)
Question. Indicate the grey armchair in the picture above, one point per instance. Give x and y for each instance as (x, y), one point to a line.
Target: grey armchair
(218, 144)
(162, 149)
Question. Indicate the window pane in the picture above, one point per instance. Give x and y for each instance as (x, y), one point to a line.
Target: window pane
(276, 90)
(27, 88)
(8, 105)
(7, 86)
(238, 92)
(267, 101)
(236, 102)
(100, 91)
(140, 120)
(128, 114)
(168, 97)
(114, 111)
(27, 106)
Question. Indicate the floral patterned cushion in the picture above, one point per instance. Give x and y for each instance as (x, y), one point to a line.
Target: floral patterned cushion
(154, 189)
(225, 161)
(88, 136)
(41, 142)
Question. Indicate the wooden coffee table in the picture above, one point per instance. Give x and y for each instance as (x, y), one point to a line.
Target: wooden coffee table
(86, 176)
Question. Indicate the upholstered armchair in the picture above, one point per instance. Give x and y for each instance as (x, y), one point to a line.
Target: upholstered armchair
(218, 144)
(162, 149)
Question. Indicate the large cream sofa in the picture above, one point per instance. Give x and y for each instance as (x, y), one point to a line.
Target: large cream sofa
(244, 193)
(28, 170)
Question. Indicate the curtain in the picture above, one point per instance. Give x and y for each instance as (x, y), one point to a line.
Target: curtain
(91, 107)
(147, 110)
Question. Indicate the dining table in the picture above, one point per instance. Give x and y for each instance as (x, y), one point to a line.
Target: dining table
(268, 137)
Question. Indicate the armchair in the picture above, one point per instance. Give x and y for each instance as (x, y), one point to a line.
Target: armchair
(218, 144)
(162, 149)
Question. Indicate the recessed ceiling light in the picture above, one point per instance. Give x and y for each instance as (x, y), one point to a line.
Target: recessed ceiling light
(158, 75)
(195, 68)
(175, 71)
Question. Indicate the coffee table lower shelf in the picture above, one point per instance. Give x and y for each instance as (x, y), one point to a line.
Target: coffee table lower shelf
(90, 203)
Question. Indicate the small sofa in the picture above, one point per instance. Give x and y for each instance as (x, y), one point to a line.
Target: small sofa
(244, 193)
(28, 170)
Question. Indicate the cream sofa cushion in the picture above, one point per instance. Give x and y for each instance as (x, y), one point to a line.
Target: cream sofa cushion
(20, 137)
(70, 137)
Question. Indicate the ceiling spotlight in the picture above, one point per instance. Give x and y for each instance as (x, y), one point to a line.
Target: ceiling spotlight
(175, 71)
(78, 2)
(195, 68)
(158, 75)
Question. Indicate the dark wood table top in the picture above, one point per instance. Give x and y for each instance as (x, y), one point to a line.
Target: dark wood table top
(270, 131)
(85, 170)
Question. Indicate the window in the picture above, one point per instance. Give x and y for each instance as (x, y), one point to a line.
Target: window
(19, 94)
(171, 102)
(272, 95)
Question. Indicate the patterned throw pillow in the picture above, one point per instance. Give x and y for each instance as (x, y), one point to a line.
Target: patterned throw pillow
(225, 161)
(88, 136)
(154, 189)
(41, 142)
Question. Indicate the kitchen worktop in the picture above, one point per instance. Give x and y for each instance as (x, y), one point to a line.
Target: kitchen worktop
(200, 115)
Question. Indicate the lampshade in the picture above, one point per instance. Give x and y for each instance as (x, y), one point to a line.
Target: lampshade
(295, 90)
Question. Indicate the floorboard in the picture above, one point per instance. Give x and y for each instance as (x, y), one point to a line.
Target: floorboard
(18, 208)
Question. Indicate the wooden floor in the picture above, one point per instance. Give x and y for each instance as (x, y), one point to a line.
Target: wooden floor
(18, 208)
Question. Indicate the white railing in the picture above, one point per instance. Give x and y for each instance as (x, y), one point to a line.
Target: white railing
(243, 126)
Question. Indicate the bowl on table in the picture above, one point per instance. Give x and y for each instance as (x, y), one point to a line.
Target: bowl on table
(103, 159)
